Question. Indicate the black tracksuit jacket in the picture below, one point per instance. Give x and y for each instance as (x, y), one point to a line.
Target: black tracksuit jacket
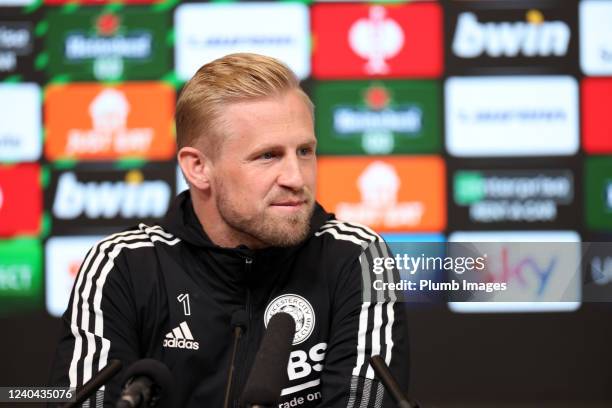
(167, 292)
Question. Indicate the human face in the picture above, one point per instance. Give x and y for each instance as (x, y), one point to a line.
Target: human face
(263, 180)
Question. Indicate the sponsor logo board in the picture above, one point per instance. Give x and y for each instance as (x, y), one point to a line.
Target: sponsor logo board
(510, 36)
(360, 40)
(598, 270)
(511, 116)
(181, 182)
(94, 43)
(596, 37)
(598, 193)
(16, 3)
(380, 117)
(507, 198)
(20, 273)
(20, 133)
(63, 258)
(101, 2)
(205, 32)
(596, 124)
(537, 276)
(16, 45)
(385, 193)
(99, 199)
(96, 122)
(20, 200)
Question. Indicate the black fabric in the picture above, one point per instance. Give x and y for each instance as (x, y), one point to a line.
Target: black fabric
(126, 304)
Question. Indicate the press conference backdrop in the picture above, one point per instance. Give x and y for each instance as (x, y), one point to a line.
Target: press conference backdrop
(433, 119)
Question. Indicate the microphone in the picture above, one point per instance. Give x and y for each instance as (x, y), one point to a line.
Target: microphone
(239, 324)
(384, 374)
(269, 376)
(148, 383)
(98, 380)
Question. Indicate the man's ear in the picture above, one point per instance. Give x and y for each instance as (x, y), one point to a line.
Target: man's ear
(196, 167)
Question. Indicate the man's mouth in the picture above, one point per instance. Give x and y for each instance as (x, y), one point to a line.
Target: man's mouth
(289, 203)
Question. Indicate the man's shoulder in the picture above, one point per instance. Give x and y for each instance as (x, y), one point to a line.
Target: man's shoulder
(137, 237)
(342, 237)
(352, 232)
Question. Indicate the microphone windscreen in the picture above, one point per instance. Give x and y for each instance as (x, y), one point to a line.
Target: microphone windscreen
(157, 371)
(268, 376)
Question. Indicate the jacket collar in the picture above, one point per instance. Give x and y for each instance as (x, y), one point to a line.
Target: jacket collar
(182, 222)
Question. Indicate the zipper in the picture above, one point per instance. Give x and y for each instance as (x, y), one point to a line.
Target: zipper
(239, 380)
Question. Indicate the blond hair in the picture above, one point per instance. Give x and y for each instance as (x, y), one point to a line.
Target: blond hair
(230, 79)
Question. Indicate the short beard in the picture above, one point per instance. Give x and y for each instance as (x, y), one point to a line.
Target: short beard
(266, 230)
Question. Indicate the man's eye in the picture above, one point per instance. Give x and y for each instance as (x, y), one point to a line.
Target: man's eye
(267, 156)
(305, 151)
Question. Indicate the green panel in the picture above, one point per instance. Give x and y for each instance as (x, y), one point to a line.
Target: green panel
(598, 191)
(98, 44)
(21, 280)
(468, 187)
(378, 117)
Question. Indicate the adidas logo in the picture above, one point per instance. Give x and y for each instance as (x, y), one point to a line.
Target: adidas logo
(181, 337)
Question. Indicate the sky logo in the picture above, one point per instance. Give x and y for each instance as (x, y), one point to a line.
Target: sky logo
(541, 269)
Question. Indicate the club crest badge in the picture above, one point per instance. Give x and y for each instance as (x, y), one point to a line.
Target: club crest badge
(301, 311)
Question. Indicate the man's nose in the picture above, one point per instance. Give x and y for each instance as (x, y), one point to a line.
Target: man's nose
(291, 175)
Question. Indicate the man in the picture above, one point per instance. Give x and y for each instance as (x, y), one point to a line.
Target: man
(247, 236)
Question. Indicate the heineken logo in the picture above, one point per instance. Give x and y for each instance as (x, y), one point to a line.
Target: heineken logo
(107, 24)
(377, 97)
(108, 41)
(378, 115)
(406, 119)
(90, 44)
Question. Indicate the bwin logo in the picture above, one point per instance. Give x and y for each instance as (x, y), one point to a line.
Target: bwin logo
(533, 38)
(129, 199)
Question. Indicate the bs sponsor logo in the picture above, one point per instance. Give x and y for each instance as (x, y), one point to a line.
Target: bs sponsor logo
(16, 42)
(360, 41)
(94, 122)
(598, 191)
(496, 197)
(98, 198)
(205, 32)
(542, 276)
(299, 308)
(20, 200)
(596, 37)
(596, 124)
(20, 274)
(20, 133)
(383, 193)
(63, 256)
(378, 117)
(93, 44)
(511, 116)
(507, 35)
